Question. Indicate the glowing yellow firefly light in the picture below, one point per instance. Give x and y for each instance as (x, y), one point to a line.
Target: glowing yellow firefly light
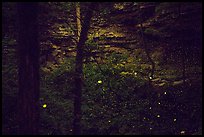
(44, 105)
(99, 81)
(158, 116)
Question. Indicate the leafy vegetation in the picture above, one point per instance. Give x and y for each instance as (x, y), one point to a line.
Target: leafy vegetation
(120, 94)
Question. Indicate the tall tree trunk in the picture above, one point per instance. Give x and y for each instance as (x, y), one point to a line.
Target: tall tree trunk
(78, 18)
(184, 67)
(183, 60)
(151, 75)
(182, 48)
(79, 71)
(147, 53)
(28, 46)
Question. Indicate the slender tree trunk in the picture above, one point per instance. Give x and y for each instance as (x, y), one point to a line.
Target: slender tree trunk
(78, 15)
(28, 46)
(184, 71)
(183, 63)
(182, 49)
(79, 71)
(147, 53)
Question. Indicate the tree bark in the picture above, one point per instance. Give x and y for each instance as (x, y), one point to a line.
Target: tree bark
(183, 51)
(78, 15)
(28, 46)
(183, 66)
(148, 55)
(79, 71)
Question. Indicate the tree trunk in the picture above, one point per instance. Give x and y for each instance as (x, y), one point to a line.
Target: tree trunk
(148, 55)
(183, 58)
(28, 46)
(79, 71)
(182, 49)
(78, 17)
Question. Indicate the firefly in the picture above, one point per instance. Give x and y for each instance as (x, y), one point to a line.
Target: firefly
(44, 106)
(70, 130)
(158, 116)
(99, 81)
(182, 132)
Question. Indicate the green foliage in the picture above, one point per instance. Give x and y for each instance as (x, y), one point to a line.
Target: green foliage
(118, 96)
(56, 92)
(115, 105)
(110, 103)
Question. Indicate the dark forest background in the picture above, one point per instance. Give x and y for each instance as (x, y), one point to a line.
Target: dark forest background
(116, 68)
